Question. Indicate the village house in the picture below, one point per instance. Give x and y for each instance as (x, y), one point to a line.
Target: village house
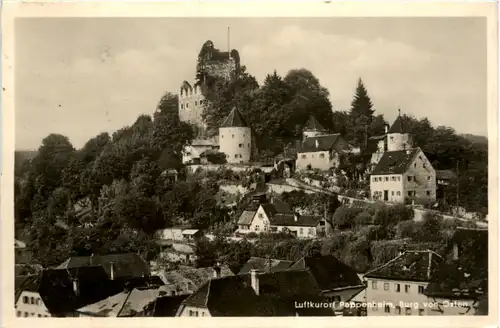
(397, 287)
(460, 286)
(402, 173)
(264, 216)
(321, 152)
(337, 281)
(28, 301)
(235, 138)
(443, 179)
(256, 294)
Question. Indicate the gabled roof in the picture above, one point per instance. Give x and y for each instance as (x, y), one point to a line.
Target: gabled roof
(124, 304)
(278, 292)
(234, 119)
(454, 281)
(292, 220)
(167, 306)
(329, 272)
(312, 124)
(396, 162)
(409, 266)
(246, 217)
(321, 143)
(398, 126)
(265, 265)
(126, 265)
(29, 283)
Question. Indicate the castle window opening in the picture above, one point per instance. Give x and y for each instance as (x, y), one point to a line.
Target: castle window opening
(321, 155)
(241, 145)
(233, 136)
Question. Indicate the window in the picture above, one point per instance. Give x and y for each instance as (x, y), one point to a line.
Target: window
(257, 228)
(191, 313)
(32, 314)
(415, 165)
(182, 106)
(420, 311)
(375, 307)
(196, 313)
(222, 136)
(25, 300)
(196, 103)
(398, 310)
(39, 315)
(392, 193)
(398, 193)
(312, 155)
(303, 156)
(240, 145)
(187, 105)
(33, 300)
(202, 314)
(398, 288)
(399, 178)
(233, 136)
(374, 285)
(428, 193)
(261, 216)
(423, 165)
(248, 145)
(387, 309)
(321, 155)
(421, 289)
(410, 193)
(408, 311)
(311, 231)
(235, 155)
(409, 178)
(407, 288)
(386, 286)
(301, 231)
(386, 178)
(26, 314)
(243, 135)
(18, 313)
(393, 178)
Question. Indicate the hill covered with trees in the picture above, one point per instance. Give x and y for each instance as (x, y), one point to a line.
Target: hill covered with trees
(124, 176)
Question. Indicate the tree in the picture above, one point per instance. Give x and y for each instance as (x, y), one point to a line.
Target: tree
(361, 114)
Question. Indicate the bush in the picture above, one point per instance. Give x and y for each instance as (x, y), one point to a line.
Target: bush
(251, 235)
(406, 229)
(363, 219)
(344, 216)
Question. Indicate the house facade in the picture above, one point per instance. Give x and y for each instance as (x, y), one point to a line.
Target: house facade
(30, 304)
(403, 175)
(321, 152)
(397, 288)
(264, 216)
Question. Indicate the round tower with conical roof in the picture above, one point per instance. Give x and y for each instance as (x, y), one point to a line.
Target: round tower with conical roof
(312, 128)
(235, 138)
(398, 137)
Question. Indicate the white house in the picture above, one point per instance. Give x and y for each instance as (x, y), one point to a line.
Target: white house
(397, 287)
(28, 301)
(264, 216)
(192, 153)
(401, 175)
(321, 152)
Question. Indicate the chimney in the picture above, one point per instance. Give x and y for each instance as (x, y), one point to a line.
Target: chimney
(317, 143)
(254, 275)
(217, 270)
(76, 286)
(112, 271)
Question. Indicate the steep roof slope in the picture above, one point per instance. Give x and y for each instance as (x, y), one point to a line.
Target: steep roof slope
(235, 119)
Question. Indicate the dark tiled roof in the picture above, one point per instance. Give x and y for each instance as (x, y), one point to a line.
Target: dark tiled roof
(410, 266)
(324, 142)
(127, 265)
(329, 272)
(313, 125)
(398, 126)
(263, 264)
(445, 175)
(395, 162)
(234, 119)
(461, 234)
(289, 220)
(192, 278)
(246, 217)
(29, 283)
(453, 280)
(167, 306)
(234, 296)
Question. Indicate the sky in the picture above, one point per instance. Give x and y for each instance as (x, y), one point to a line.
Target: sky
(83, 76)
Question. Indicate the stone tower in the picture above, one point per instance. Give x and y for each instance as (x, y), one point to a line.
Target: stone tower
(191, 104)
(398, 137)
(312, 128)
(235, 138)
